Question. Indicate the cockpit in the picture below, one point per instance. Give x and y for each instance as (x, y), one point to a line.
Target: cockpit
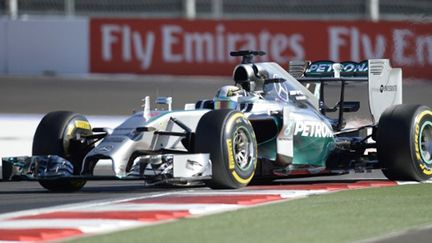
(271, 81)
(259, 81)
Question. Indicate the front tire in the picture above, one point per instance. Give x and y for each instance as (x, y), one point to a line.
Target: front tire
(54, 136)
(229, 138)
(404, 142)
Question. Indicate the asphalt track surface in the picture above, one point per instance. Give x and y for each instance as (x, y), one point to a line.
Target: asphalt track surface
(120, 95)
(25, 195)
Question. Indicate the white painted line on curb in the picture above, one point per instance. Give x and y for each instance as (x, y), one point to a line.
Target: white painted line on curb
(90, 226)
(192, 208)
(282, 193)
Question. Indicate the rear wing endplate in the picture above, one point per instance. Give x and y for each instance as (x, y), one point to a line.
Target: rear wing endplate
(385, 86)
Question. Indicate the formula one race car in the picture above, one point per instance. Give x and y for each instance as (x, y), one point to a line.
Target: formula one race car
(272, 123)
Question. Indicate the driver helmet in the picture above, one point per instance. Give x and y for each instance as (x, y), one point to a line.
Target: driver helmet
(227, 97)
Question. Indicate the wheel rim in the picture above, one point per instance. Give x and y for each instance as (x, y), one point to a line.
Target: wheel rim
(243, 149)
(426, 142)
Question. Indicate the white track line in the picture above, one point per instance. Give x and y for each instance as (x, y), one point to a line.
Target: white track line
(79, 206)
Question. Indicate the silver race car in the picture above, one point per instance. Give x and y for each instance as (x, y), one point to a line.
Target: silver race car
(271, 123)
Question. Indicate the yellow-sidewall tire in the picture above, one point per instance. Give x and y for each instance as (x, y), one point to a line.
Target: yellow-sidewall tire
(227, 136)
(53, 137)
(398, 142)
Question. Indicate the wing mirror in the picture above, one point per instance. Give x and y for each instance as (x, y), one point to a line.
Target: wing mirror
(164, 101)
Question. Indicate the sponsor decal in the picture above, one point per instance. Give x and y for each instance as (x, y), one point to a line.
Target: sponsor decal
(241, 180)
(426, 170)
(105, 148)
(297, 95)
(325, 68)
(282, 91)
(288, 130)
(201, 47)
(192, 165)
(312, 129)
(231, 165)
(388, 88)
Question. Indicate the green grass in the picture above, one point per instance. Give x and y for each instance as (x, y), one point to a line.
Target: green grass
(338, 217)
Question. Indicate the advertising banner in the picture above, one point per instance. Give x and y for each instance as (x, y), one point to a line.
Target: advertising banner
(201, 47)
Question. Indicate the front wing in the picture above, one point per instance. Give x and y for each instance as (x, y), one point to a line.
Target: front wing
(150, 168)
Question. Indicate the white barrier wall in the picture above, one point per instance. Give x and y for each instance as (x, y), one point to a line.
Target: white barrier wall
(18, 138)
(35, 46)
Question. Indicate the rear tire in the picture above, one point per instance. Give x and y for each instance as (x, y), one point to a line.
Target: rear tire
(229, 138)
(404, 142)
(53, 137)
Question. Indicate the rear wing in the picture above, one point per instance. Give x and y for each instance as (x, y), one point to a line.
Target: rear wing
(384, 82)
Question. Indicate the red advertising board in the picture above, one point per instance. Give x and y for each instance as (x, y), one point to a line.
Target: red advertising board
(201, 47)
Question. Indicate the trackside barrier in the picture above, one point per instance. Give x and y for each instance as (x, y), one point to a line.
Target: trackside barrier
(177, 46)
(201, 47)
(44, 45)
